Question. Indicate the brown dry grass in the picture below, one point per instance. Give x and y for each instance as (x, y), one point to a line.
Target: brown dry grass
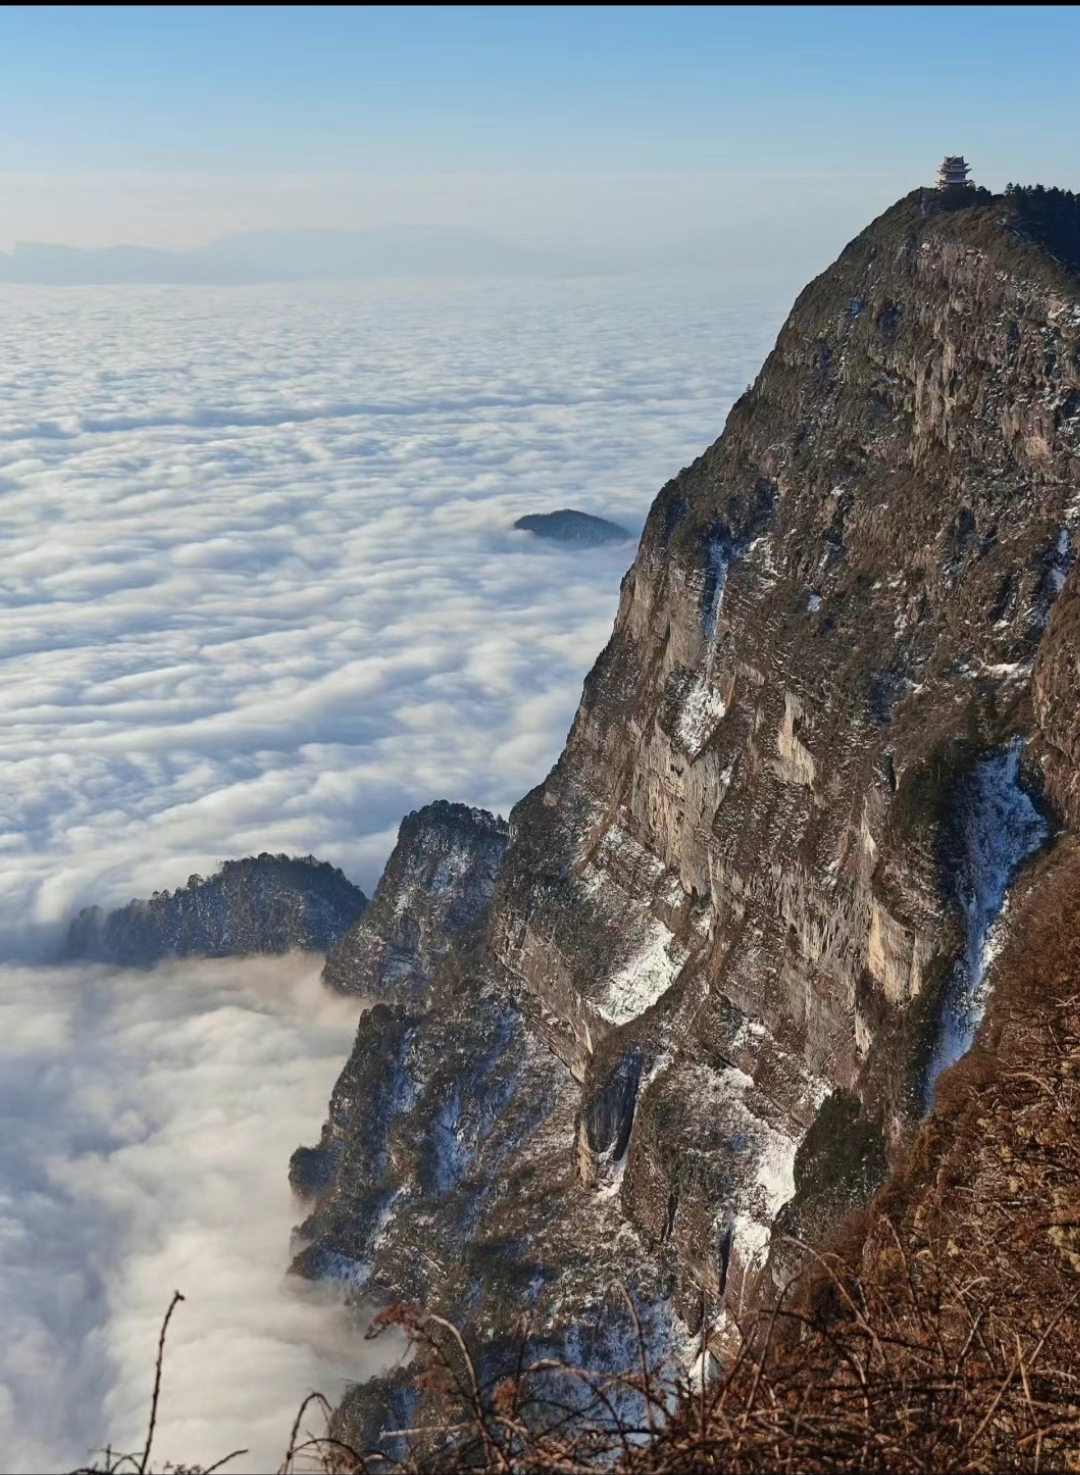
(921, 1371)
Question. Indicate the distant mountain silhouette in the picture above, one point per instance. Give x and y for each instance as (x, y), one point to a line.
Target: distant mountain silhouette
(291, 256)
(388, 251)
(42, 264)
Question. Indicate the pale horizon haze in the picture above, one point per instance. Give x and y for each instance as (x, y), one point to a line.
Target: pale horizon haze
(738, 136)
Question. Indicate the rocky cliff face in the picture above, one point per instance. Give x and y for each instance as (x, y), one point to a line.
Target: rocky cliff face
(436, 887)
(795, 791)
(445, 1173)
(751, 908)
(1056, 690)
(265, 904)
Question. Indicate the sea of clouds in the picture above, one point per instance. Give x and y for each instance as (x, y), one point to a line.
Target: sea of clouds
(258, 583)
(259, 590)
(146, 1122)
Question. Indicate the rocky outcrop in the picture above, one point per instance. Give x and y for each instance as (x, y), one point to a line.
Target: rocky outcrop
(749, 913)
(1056, 689)
(445, 1170)
(265, 904)
(570, 526)
(436, 887)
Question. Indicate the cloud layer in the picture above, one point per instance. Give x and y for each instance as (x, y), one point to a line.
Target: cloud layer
(258, 587)
(146, 1122)
(259, 590)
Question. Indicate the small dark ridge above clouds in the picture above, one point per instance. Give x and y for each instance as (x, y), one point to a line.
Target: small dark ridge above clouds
(570, 526)
(262, 904)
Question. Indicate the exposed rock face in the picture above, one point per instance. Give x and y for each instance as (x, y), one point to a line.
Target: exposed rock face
(569, 526)
(445, 1171)
(761, 885)
(265, 904)
(436, 887)
(1056, 684)
(434, 895)
(831, 618)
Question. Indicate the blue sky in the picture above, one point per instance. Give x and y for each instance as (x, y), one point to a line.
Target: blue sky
(273, 100)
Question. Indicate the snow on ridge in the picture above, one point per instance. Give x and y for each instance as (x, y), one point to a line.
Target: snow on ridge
(333, 1265)
(814, 1087)
(658, 956)
(619, 849)
(771, 1183)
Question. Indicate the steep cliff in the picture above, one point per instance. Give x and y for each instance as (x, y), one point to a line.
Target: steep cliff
(264, 904)
(769, 859)
(751, 909)
(445, 1173)
(436, 887)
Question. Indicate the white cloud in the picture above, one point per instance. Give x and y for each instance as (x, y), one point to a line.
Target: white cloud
(146, 1122)
(259, 590)
(258, 584)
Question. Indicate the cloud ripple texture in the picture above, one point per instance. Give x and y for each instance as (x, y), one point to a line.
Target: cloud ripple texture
(260, 590)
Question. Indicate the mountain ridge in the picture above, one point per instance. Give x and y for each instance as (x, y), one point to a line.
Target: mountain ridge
(759, 887)
(283, 256)
(262, 904)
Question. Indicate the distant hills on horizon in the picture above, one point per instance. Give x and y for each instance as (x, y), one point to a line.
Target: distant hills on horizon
(293, 256)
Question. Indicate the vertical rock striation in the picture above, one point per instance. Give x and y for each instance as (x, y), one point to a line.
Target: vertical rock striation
(749, 909)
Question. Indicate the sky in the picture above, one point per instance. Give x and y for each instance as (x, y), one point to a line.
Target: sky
(642, 132)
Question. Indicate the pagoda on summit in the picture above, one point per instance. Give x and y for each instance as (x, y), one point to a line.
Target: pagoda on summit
(952, 171)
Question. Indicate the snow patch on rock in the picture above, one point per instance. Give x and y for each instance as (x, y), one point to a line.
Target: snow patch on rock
(647, 975)
(719, 553)
(1058, 561)
(702, 709)
(997, 828)
(765, 1154)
